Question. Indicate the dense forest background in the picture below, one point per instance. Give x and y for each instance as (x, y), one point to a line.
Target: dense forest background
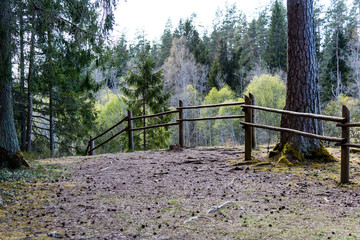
(70, 83)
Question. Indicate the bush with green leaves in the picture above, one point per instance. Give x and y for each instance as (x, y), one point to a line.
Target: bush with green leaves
(334, 108)
(110, 114)
(269, 91)
(221, 132)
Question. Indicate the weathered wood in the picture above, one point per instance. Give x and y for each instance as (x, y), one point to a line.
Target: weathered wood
(311, 135)
(248, 130)
(299, 114)
(112, 137)
(345, 150)
(155, 115)
(87, 149)
(212, 105)
(348, 125)
(111, 128)
(92, 146)
(213, 118)
(156, 126)
(352, 145)
(253, 141)
(130, 132)
(181, 124)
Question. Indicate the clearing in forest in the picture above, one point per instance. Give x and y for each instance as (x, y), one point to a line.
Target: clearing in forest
(202, 193)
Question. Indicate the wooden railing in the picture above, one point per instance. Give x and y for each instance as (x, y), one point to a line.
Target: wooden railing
(249, 124)
(343, 141)
(179, 122)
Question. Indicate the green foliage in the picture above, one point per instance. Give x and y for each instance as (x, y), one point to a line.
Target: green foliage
(269, 91)
(277, 40)
(333, 108)
(335, 77)
(219, 132)
(110, 114)
(144, 94)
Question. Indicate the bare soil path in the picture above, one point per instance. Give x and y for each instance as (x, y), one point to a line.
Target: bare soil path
(188, 194)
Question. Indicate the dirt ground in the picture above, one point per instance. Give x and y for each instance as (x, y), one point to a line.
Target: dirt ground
(203, 193)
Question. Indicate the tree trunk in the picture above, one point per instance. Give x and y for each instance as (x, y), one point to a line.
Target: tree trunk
(29, 80)
(22, 82)
(51, 93)
(302, 90)
(9, 145)
(51, 118)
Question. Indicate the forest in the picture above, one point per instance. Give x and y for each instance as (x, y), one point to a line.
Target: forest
(64, 80)
(70, 81)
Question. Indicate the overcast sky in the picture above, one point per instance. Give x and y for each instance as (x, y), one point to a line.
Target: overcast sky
(152, 15)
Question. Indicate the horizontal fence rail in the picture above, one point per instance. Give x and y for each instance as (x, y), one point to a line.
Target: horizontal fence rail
(343, 122)
(179, 122)
(213, 118)
(213, 105)
(248, 107)
(155, 126)
(301, 133)
(299, 114)
(154, 115)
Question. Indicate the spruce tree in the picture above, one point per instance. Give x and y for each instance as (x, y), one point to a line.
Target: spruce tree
(144, 95)
(276, 45)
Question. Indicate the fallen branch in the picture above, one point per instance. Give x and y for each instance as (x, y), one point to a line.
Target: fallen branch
(219, 207)
(192, 219)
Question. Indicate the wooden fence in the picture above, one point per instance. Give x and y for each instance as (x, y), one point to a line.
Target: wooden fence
(343, 122)
(179, 122)
(249, 124)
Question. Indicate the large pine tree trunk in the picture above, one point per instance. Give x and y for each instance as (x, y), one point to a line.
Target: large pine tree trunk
(9, 145)
(302, 90)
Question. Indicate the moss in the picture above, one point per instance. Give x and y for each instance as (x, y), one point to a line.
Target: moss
(322, 155)
(283, 161)
(290, 155)
(12, 161)
(294, 151)
(276, 151)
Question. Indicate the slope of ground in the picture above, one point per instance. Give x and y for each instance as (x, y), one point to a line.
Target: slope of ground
(188, 194)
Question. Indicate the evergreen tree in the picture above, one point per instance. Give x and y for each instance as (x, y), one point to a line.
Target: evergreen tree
(9, 145)
(166, 41)
(336, 75)
(143, 95)
(194, 42)
(276, 44)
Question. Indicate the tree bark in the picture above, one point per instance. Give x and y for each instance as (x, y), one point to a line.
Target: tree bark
(22, 80)
(302, 90)
(29, 82)
(9, 145)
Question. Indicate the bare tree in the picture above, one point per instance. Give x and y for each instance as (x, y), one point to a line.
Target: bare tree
(181, 71)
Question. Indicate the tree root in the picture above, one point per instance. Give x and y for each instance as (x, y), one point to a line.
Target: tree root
(289, 155)
(12, 161)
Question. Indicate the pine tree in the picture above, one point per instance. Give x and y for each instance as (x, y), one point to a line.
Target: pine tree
(276, 44)
(143, 94)
(336, 75)
(9, 145)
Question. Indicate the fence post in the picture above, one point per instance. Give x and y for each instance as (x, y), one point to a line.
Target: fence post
(181, 124)
(92, 146)
(248, 130)
(345, 150)
(130, 132)
(253, 134)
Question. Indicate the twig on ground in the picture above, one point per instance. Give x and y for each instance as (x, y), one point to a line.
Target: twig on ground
(219, 207)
